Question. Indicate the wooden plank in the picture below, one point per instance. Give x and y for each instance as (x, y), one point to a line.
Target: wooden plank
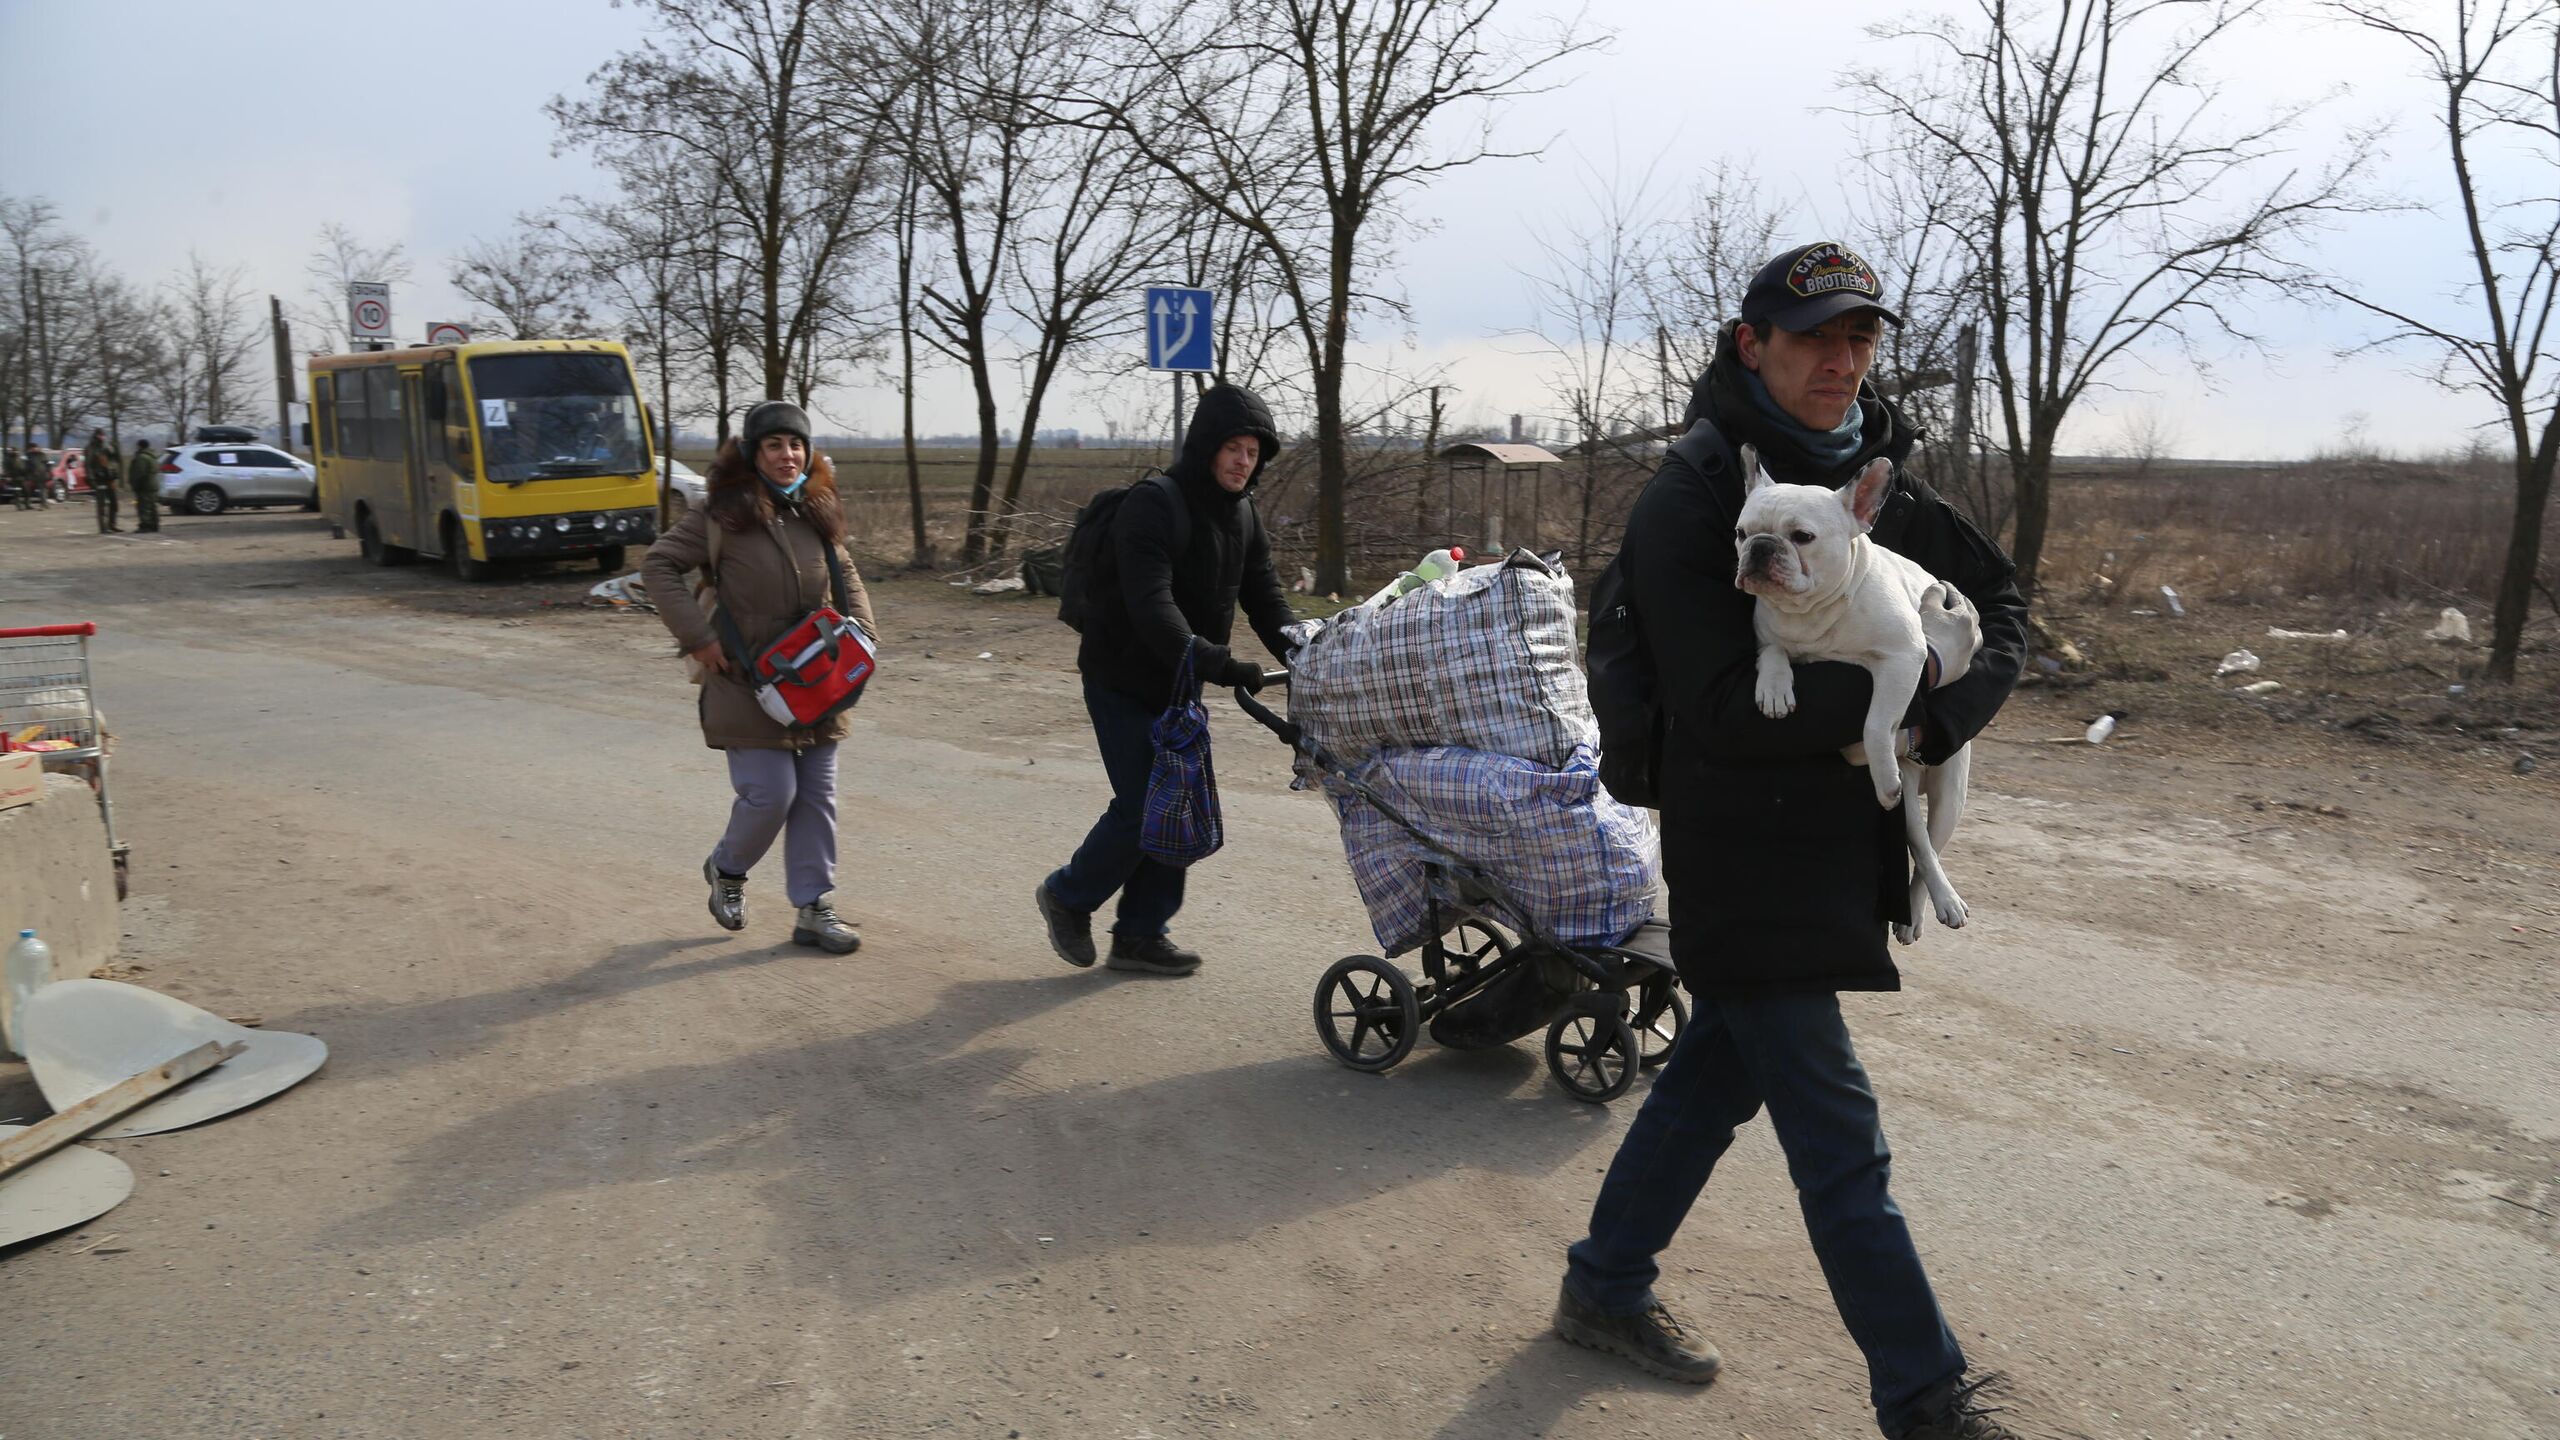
(131, 1093)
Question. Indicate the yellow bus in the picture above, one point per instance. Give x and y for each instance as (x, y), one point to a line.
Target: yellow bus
(486, 452)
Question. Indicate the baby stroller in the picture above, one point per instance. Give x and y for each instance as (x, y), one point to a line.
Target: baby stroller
(1492, 973)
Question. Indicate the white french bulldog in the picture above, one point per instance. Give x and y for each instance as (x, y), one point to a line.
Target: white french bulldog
(1827, 592)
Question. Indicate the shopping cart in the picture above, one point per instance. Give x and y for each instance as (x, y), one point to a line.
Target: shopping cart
(49, 704)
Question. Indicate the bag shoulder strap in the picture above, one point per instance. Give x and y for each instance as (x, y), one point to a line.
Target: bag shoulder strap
(835, 578)
(1181, 508)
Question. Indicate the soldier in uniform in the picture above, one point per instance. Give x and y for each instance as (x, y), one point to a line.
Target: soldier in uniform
(98, 467)
(142, 477)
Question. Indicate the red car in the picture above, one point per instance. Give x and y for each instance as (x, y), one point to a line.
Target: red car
(68, 478)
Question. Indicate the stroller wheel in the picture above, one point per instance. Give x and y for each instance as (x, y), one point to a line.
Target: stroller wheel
(1367, 1013)
(1594, 1057)
(1660, 1017)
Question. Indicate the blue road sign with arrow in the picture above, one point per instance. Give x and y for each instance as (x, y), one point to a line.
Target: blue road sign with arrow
(1179, 328)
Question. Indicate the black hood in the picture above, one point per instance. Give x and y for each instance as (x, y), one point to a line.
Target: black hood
(1720, 395)
(1225, 412)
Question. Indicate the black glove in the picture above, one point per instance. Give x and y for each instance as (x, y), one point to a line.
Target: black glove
(1241, 674)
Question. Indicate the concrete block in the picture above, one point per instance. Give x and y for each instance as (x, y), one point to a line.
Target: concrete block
(57, 879)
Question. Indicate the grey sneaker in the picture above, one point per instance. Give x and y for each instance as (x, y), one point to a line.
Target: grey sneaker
(1654, 1341)
(1153, 955)
(1070, 931)
(728, 897)
(818, 924)
(1961, 1415)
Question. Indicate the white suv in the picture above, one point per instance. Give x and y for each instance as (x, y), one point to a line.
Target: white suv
(209, 479)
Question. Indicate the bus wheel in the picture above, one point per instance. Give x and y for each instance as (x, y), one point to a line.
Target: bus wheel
(609, 560)
(369, 540)
(457, 553)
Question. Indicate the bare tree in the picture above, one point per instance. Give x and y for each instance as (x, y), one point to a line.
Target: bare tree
(1307, 123)
(218, 323)
(2110, 212)
(730, 92)
(2515, 262)
(339, 260)
(41, 259)
(949, 81)
(527, 286)
(171, 380)
(118, 332)
(1700, 266)
(1588, 300)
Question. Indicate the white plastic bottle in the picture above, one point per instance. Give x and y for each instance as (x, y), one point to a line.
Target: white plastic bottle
(28, 968)
(1438, 565)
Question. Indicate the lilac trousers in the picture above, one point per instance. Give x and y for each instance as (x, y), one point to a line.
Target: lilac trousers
(790, 795)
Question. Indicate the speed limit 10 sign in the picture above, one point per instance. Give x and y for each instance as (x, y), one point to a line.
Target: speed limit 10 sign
(368, 310)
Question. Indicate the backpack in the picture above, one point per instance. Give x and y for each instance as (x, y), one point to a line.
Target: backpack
(1089, 574)
(1635, 724)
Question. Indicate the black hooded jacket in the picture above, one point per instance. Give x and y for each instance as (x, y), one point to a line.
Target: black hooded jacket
(1172, 600)
(1782, 870)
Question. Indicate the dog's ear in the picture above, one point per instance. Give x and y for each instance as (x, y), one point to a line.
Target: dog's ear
(1753, 477)
(1863, 497)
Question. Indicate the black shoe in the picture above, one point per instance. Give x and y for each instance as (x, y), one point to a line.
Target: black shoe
(1153, 955)
(1070, 931)
(1654, 1341)
(728, 897)
(1961, 1415)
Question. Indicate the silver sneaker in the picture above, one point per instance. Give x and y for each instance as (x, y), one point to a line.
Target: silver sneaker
(728, 898)
(820, 925)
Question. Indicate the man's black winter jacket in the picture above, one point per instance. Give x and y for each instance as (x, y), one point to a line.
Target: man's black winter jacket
(1188, 598)
(1782, 871)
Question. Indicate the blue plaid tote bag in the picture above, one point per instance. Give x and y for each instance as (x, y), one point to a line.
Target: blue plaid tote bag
(1182, 823)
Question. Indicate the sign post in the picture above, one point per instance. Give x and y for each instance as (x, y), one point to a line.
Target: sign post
(1181, 334)
(369, 313)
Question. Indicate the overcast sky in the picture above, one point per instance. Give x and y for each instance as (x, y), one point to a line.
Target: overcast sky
(239, 128)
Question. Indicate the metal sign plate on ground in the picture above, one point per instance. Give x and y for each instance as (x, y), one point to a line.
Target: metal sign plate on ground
(1180, 324)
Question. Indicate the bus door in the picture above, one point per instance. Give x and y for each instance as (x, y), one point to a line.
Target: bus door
(422, 506)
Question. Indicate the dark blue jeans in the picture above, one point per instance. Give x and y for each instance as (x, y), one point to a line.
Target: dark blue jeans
(1109, 860)
(1792, 1054)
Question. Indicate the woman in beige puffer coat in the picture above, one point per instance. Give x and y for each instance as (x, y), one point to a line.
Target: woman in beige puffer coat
(775, 503)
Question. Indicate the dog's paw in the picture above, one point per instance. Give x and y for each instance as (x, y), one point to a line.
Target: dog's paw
(1952, 914)
(1907, 934)
(1776, 701)
(1888, 796)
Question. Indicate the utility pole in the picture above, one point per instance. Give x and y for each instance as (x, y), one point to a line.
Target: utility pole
(44, 349)
(1422, 482)
(284, 373)
(1968, 342)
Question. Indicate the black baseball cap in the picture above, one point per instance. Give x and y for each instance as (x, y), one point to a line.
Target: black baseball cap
(1812, 283)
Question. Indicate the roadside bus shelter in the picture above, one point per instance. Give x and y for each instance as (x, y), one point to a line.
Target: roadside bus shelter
(1495, 473)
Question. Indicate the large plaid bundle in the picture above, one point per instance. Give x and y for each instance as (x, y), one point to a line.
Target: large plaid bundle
(1584, 865)
(1484, 659)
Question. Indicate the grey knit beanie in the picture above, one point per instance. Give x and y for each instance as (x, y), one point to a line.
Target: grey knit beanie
(774, 417)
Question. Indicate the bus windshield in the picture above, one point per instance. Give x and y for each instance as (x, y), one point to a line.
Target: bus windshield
(549, 416)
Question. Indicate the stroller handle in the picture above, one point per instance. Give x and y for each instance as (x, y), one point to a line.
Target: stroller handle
(1286, 730)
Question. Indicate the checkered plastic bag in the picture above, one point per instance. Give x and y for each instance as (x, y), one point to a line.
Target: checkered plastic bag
(1584, 865)
(1182, 823)
(1486, 659)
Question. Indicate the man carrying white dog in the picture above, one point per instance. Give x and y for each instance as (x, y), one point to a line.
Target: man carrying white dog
(1783, 871)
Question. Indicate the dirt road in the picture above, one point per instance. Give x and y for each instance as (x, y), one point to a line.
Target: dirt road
(2228, 1117)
